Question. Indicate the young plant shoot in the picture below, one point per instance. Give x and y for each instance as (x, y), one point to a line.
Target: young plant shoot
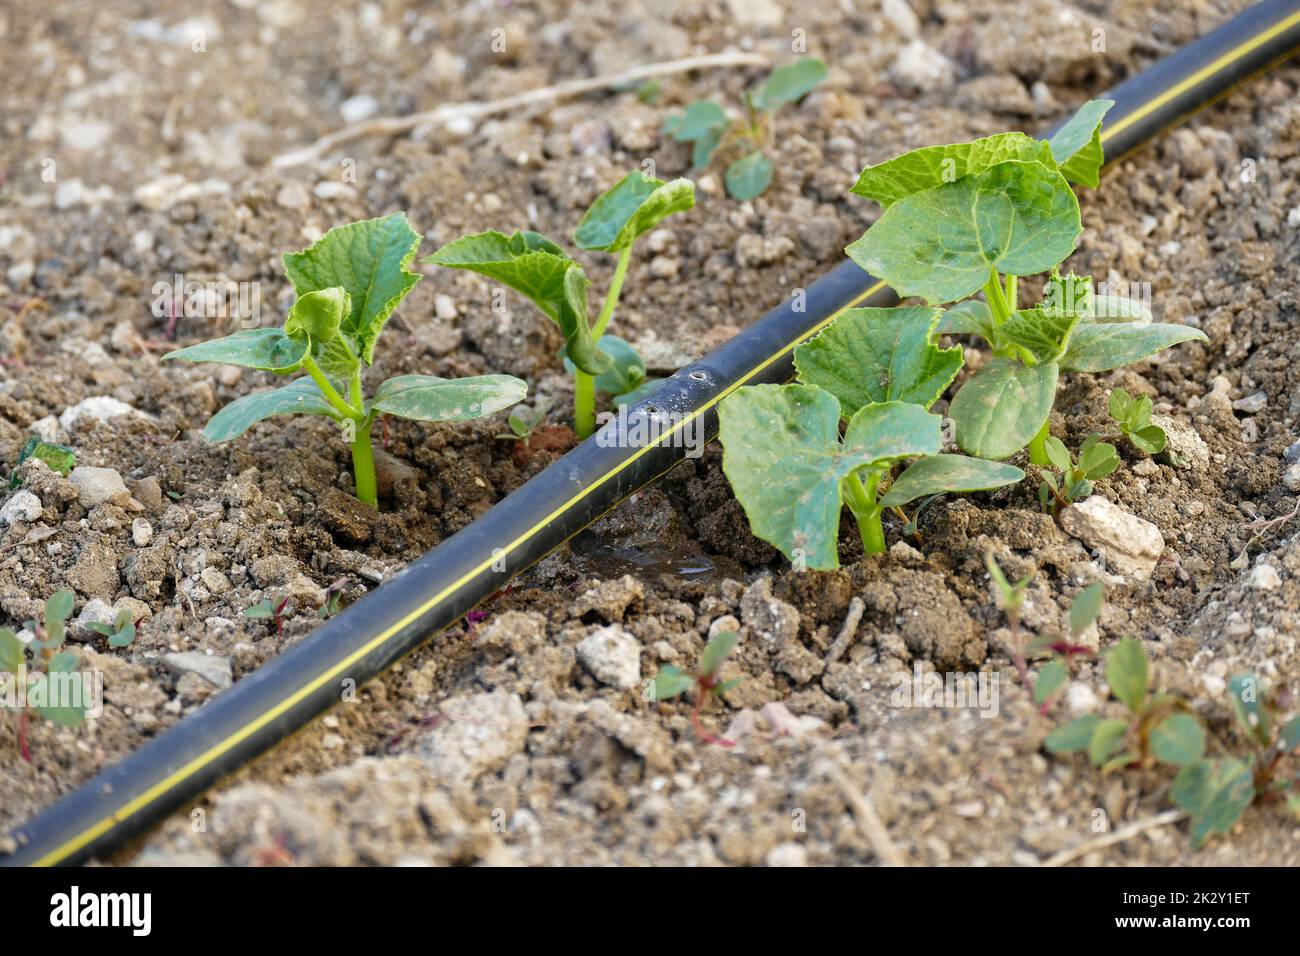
(1133, 416)
(46, 668)
(710, 131)
(348, 283)
(974, 217)
(792, 472)
(544, 273)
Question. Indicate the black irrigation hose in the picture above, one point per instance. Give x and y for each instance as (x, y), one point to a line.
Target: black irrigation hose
(435, 591)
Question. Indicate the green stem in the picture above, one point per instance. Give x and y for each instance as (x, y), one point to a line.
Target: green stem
(584, 404)
(329, 391)
(1038, 447)
(363, 465)
(611, 297)
(862, 502)
(1011, 292)
(997, 301)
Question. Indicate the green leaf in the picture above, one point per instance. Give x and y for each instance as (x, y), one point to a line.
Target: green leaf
(705, 147)
(269, 350)
(1076, 147)
(1058, 454)
(631, 208)
(971, 317)
(1042, 335)
(1101, 347)
(1085, 607)
(1126, 673)
(1072, 737)
(936, 474)
(260, 610)
(880, 355)
(1178, 739)
(123, 636)
(579, 347)
(58, 458)
(319, 314)
(527, 262)
(943, 243)
(58, 609)
(1002, 407)
(1246, 693)
(789, 83)
(1289, 736)
(749, 176)
(59, 677)
(784, 460)
(1120, 403)
(1051, 677)
(369, 259)
(932, 166)
(299, 397)
(1151, 439)
(626, 371)
(427, 398)
(716, 652)
(670, 682)
(698, 120)
(1114, 308)
(11, 651)
(1107, 740)
(1216, 793)
(1098, 460)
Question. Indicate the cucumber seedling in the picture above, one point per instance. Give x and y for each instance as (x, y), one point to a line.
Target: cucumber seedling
(792, 471)
(672, 681)
(710, 131)
(975, 217)
(541, 271)
(348, 283)
(42, 667)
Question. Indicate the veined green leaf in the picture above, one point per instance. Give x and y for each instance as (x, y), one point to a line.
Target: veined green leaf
(319, 314)
(971, 317)
(1114, 308)
(698, 120)
(1002, 407)
(270, 350)
(527, 262)
(1076, 147)
(931, 166)
(298, 397)
(1103, 346)
(1126, 673)
(427, 398)
(1043, 335)
(369, 259)
(789, 83)
(704, 147)
(579, 346)
(749, 176)
(783, 456)
(1216, 793)
(631, 208)
(1018, 218)
(1086, 607)
(880, 355)
(937, 474)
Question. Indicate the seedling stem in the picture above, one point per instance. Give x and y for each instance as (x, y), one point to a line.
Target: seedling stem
(862, 502)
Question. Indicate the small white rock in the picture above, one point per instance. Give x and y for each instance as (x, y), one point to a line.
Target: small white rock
(922, 67)
(215, 581)
(1264, 577)
(1251, 404)
(1131, 545)
(21, 506)
(98, 485)
(1080, 698)
(96, 611)
(444, 306)
(358, 108)
(613, 657)
(215, 670)
(1291, 477)
(787, 854)
(99, 407)
(141, 532)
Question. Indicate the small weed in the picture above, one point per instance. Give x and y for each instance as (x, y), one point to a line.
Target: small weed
(265, 610)
(1071, 480)
(672, 681)
(1133, 416)
(42, 666)
(121, 632)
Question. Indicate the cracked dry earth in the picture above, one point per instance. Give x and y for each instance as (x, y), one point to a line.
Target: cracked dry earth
(522, 736)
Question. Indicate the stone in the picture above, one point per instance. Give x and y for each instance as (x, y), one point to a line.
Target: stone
(1264, 577)
(612, 656)
(1081, 699)
(921, 67)
(99, 407)
(215, 670)
(610, 599)
(1184, 448)
(98, 485)
(1291, 477)
(357, 108)
(768, 617)
(141, 532)
(480, 734)
(21, 506)
(95, 611)
(787, 854)
(1131, 545)
(1252, 404)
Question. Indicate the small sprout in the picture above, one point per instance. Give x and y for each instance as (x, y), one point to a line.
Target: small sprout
(59, 458)
(1133, 415)
(671, 682)
(544, 273)
(522, 422)
(1072, 480)
(333, 597)
(974, 217)
(265, 610)
(121, 632)
(711, 132)
(348, 283)
(44, 666)
(791, 470)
